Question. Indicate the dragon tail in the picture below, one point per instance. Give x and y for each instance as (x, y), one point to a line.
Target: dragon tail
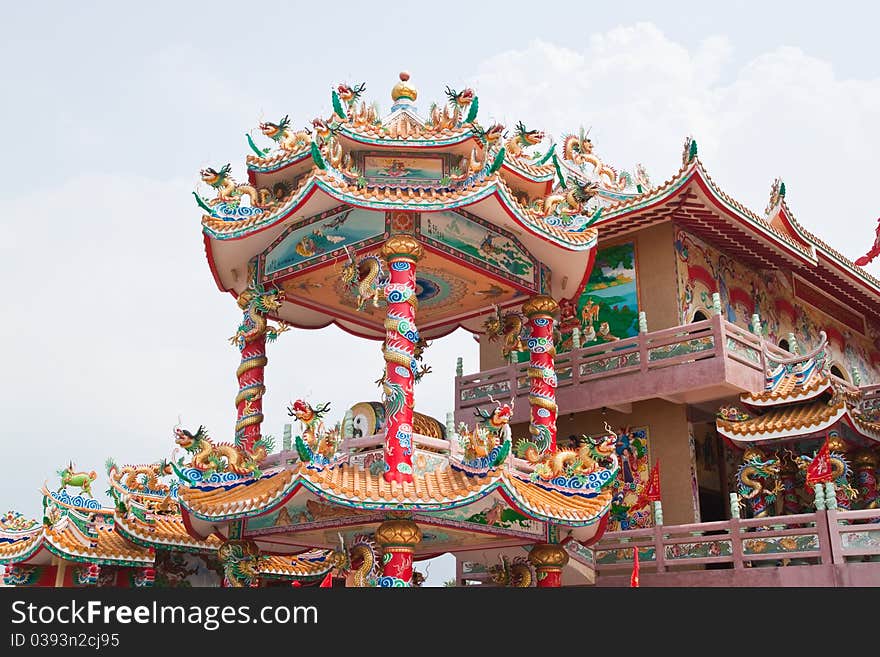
(472, 111)
(204, 206)
(303, 450)
(261, 152)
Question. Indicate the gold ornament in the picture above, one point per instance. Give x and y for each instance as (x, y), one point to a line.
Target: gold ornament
(403, 89)
(402, 245)
(540, 305)
(866, 459)
(836, 444)
(401, 533)
(548, 556)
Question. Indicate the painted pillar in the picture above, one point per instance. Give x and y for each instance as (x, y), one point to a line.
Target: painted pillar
(542, 372)
(240, 560)
(790, 503)
(401, 335)
(548, 561)
(866, 479)
(251, 339)
(398, 539)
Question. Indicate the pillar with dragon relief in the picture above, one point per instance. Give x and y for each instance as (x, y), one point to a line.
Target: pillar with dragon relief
(542, 372)
(758, 479)
(788, 476)
(251, 337)
(240, 560)
(548, 560)
(866, 463)
(401, 252)
(398, 539)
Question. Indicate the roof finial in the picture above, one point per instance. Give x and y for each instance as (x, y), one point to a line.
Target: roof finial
(403, 89)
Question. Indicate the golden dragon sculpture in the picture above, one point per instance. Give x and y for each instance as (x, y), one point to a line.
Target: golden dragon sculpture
(231, 192)
(211, 457)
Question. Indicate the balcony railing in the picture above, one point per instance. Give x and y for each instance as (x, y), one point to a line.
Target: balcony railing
(646, 353)
(820, 538)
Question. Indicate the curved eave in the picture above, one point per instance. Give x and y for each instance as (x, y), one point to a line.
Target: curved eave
(151, 540)
(515, 491)
(695, 174)
(98, 555)
(727, 429)
(277, 162)
(529, 172)
(798, 395)
(22, 549)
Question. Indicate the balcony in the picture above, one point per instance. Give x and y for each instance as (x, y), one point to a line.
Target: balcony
(698, 362)
(825, 548)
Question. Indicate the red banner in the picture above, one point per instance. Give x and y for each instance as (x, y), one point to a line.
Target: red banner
(819, 471)
(652, 492)
(634, 578)
(327, 582)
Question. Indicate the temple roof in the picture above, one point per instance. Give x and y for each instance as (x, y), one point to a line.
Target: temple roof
(796, 377)
(693, 200)
(355, 487)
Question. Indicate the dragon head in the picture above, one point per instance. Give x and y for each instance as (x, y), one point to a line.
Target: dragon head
(583, 192)
(275, 130)
(215, 178)
(503, 412)
(304, 412)
(494, 324)
(350, 94)
(528, 137)
(322, 128)
(462, 99)
(188, 440)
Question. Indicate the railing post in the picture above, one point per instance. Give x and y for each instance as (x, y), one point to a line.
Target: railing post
(716, 303)
(643, 322)
(793, 344)
(734, 506)
(736, 547)
(459, 367)
(643, 352)
(575, 338)
(757, 329)
(659, 549)
(831, 531)
(819, 497)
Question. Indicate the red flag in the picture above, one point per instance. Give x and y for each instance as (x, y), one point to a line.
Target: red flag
(819, 471)
(634, 578)
(296, 584)
(327, 582)
(652, 494)
(873, 252)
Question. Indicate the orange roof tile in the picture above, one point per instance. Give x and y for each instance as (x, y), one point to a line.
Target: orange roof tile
(19, 546)
(109, 546)
(555, 504)
(311, 564)
(801, 418)
(166, 530)
(238, 499)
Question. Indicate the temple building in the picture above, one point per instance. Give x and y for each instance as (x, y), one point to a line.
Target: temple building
(622, 325)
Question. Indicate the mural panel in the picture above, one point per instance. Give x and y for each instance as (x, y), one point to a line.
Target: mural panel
(480, 244)
(608, 307)
(631, 482)
(182, 570)
(701, 270)
(402, 169)
(318, 237)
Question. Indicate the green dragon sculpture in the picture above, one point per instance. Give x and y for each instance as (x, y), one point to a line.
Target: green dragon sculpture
(241, 563)
(213, 458)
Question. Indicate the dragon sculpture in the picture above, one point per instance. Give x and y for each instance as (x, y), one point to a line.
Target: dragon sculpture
(572, 202)
(365, 562)
(222, 457)
(754, 475)
(241, 563)
(491, 431)
(578, 149)
(326, 147)
(516, 574)
(588, 458)
(288, 140)
(315, 439)
(141, 477)
(509, 327)
(443, 118)
(231, 192)
(366, 276)
(82, 480)
(522, 139)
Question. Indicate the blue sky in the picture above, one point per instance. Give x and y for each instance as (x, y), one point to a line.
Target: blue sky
(114, 327)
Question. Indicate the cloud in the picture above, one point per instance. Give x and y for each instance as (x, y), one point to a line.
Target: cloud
(784, 113)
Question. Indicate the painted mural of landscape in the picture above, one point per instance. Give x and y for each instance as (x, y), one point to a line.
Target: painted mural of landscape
(403, 169)
(608, 307)
(322, 237)
(486, 246)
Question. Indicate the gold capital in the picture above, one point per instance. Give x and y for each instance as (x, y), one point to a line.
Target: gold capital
(540, 305)
(400, 533)
(548, 556)
(406, 246)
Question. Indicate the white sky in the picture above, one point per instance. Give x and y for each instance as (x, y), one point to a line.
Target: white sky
(113, 326)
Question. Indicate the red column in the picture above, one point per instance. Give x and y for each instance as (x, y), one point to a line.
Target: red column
(398, 539)
(548, 561)
(401, 253)
(542, 371)
(251, 338)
